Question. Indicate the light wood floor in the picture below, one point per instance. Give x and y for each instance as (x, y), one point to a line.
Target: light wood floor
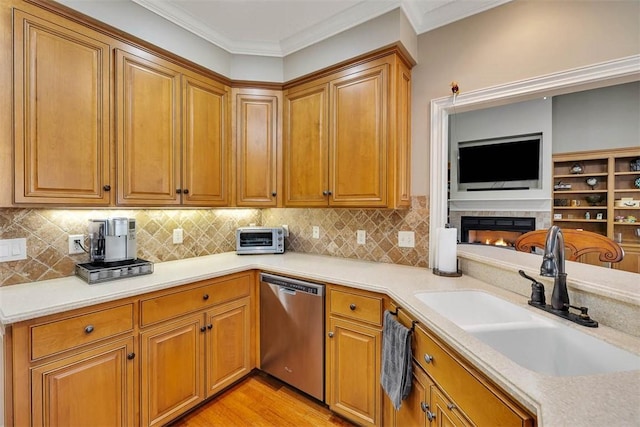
(261, 401)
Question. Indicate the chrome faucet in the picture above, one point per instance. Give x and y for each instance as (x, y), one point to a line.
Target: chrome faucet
(553, 266)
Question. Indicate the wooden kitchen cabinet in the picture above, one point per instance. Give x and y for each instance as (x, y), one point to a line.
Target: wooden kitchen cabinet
(173, 141)
(194, 342)
(353, 355)
(61, 365)
(448, 391)
(62, 118)
(94, 387)
(257, 139)
(347, 137)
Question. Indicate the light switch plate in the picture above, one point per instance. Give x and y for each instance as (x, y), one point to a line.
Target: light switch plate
(315, 232)
(13, 249)
(361, 237)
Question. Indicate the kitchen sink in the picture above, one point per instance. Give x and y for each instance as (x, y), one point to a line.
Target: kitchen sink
(534, 342)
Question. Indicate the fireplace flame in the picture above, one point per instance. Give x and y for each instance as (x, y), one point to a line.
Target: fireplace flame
(500, 242)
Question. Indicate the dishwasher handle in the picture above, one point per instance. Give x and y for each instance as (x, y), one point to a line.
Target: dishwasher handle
(316, 289)
(286, 290)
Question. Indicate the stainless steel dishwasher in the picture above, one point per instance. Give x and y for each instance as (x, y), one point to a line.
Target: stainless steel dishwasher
(292, 332)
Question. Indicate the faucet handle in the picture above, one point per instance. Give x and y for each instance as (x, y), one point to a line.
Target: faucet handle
(537, 290)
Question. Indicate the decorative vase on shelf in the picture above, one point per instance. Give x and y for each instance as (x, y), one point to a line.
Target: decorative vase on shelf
(592, 182)
(634, 165)
(637, 182)
(577, 168)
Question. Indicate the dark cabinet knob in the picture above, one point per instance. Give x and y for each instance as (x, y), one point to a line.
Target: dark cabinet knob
(107, 187)
(325, 193)
(203, 328)
(185, 191)
(330, 334)
(209, 326)
(352, 306)
(178, 191)
(88, 329)
(205, 297)
(131, 356)
(274, 194)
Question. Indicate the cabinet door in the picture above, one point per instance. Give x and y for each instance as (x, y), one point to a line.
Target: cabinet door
(172, 377)
(445, 413)
(414, 409)
(353, 371)
(62, 118)
(358, 138)
(92, 388)
(257, 149)
(306, 152)
(206, 143)
(148, 138)
(228, 344)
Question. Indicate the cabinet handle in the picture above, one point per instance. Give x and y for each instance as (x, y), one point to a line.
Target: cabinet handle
(330, 334)
(88, 329)
(205, 297)
(428, 358)
(178, 191)
(185, 191)
(424, 407)
(107, 187)
(327, 193)
(274, 194)
(431, 416)
(352, 307)
(209, 326)
(131, 356)
(203, 328)
(451, 406)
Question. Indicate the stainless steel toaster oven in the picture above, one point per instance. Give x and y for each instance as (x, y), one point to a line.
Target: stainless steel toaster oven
(260, 240)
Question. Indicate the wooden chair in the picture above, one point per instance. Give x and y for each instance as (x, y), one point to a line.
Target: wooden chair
(576, 242)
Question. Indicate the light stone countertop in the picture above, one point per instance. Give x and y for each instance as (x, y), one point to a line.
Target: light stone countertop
(594, 400)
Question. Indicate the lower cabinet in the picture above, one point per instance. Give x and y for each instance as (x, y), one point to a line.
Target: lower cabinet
(447, 391)
(186, 359)
(354, 345)
(94, 387)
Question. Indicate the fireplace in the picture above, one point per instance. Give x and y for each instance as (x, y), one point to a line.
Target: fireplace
(494, 230)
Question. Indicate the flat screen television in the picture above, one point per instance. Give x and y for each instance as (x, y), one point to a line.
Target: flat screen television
(510, 163)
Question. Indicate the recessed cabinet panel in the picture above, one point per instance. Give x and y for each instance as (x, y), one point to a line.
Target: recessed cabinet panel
(306, 147)
(358, 139)
(62, 118)
(205, 158)
(257, 149)
(148, 131)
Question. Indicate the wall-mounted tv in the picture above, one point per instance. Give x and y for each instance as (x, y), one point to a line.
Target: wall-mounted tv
(509, 163)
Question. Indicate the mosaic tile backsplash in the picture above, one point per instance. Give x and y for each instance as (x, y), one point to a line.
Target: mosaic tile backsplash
(210, 231)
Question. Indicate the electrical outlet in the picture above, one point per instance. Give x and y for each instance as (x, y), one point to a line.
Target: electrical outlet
(178, 236)
(406, 239)
(315, 232)
(74, 247)
(361, 237)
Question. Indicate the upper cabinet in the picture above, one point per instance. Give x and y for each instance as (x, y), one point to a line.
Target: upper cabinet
(172, 134)
(347, 137)
(62, 118)
(257, 137)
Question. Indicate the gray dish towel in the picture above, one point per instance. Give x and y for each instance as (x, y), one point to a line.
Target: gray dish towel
(396, 359)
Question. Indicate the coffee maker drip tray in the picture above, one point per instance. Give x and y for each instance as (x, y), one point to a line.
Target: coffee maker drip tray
(97, 272)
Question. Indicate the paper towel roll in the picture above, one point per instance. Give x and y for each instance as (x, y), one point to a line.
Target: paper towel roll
(446, 257)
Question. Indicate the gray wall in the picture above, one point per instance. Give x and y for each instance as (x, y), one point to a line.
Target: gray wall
(597, 119)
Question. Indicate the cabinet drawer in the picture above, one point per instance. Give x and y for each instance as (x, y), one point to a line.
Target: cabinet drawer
(483, 403)
(212, 292)
(60, 335)
(356, 306)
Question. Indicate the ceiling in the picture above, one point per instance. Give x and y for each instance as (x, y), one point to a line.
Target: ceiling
(281, 27)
